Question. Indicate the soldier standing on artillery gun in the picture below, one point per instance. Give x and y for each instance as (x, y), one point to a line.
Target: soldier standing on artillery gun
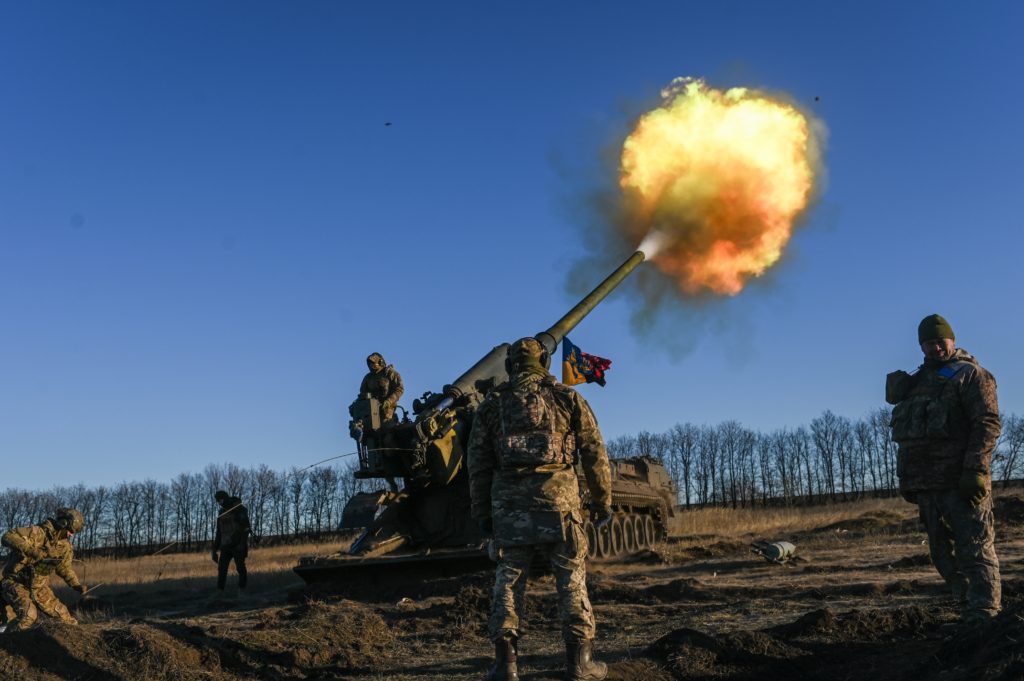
(37, 552)
(231, 539)
(384, 384)
(946, 423)
(526, 437)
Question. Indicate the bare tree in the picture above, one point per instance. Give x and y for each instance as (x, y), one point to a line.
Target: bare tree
(682, 457)
(1008, 451)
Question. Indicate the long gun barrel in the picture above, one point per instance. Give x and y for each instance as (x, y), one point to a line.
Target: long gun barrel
(481, 375)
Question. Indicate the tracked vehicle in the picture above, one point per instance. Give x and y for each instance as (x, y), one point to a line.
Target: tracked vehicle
(422, 519)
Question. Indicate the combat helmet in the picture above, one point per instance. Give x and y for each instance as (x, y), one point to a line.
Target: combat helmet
(526, 352)
(375, 362)
(70, 519)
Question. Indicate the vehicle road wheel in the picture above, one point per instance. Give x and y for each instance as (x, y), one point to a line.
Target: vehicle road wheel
(591, 533)
(640, 532)
(615, 534)
(629, 543)
(604, 542)
(650, 530)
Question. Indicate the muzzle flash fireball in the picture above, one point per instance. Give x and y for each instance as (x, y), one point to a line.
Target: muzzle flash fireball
(719, 179)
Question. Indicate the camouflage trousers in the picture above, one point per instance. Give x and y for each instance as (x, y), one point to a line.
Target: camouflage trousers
(568, 563)
(24, 601)
(961, 540)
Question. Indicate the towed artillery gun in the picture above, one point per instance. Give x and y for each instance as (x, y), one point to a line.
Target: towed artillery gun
(424, 523)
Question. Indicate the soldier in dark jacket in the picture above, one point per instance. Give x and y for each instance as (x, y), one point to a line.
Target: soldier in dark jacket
(526, 437)
(946, 423)
(232, 539)
(383, 383)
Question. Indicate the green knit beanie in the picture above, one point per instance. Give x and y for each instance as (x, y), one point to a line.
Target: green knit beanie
(934, 326)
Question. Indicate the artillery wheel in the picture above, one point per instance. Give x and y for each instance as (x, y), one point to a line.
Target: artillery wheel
(604, 542)
(650, 530)
(629, 539)
(591, 533)
(615, 536)
(642, 540)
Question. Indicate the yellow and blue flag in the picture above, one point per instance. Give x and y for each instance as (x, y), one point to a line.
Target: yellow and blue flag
(580, 367)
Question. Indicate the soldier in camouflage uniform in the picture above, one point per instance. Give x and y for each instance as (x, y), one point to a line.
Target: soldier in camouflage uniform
(946, 423)
(231, 540)
(36, 553)
(526, 437)
(383, 383)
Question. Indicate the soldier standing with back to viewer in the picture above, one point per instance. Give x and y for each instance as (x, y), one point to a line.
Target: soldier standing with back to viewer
(946, 423)
(231, 539)
(526, 437)
(36, 553)
(383, 383)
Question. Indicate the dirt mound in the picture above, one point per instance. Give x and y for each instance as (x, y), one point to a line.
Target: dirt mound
(467, 614)
(51, 652)
(866, 523)
(1009, 510)
(990, 652)
(613, 591)
(147, 653)
(688, 653)
(347, 635)
(681, 589)
(858, 625)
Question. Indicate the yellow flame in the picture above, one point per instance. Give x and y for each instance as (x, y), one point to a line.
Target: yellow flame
(721, 176)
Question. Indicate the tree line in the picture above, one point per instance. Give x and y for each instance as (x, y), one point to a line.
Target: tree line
(834, 457)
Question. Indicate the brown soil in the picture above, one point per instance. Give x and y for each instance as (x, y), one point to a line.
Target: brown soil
(866, 606)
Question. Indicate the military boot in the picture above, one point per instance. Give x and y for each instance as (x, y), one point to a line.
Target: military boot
(579, 656)
(506, 654)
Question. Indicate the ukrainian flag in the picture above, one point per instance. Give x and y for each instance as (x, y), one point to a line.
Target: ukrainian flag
(580, 367)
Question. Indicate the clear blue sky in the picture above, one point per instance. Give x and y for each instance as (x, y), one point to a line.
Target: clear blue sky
(206, 224)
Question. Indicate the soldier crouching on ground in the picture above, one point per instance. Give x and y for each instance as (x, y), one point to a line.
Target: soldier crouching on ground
(36, 553)
(231, 541)
(946, 423)
(526, 437)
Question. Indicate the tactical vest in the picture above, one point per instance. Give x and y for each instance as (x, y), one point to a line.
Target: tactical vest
(931, 410)
(528, 435)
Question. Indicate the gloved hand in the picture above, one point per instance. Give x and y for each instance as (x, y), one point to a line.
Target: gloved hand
(214, 556)
(487, 527)
(602, 517)
(80, 588)
(972, 487)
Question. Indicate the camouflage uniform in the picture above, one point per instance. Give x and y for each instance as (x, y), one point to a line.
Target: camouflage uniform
(385, 385)
(525, 439)
(946, 423)
(232, 541)
(26, 579)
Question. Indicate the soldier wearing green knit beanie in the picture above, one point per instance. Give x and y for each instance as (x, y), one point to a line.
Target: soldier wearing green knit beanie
(946, 424)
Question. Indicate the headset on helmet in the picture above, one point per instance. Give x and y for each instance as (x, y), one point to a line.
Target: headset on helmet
(70, 519)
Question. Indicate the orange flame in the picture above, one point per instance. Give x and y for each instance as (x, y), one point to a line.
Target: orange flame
(722, 176)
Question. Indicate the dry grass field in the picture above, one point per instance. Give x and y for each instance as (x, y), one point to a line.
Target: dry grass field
(861, 603)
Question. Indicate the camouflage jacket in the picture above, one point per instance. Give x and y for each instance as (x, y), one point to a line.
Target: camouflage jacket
(44, 539)
(526, 437)
(384, 386)
(232, 527)
(946, 422)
